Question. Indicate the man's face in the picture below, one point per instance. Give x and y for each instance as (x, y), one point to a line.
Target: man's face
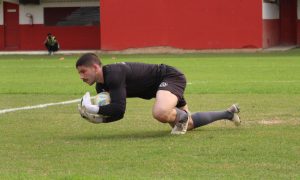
(87, 74)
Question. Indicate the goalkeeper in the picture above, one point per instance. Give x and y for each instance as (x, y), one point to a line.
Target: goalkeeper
(164, 83)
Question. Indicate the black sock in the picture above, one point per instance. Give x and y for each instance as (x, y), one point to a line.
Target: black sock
(204, 118)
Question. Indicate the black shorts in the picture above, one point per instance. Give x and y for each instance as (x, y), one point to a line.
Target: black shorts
(175, 82)
(53, 48)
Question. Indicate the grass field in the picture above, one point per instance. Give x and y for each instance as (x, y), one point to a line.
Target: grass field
(55, 143)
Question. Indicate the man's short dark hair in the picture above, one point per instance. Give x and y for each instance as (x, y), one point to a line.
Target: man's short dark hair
(88, 59)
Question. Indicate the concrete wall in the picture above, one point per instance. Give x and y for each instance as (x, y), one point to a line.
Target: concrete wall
(298, 22)
(33, 35)
(1, 26)
(298, 9)
(37, 10)
(1, 13)
(271, 25)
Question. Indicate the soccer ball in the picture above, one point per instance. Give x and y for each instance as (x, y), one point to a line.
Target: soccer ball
(102, 99)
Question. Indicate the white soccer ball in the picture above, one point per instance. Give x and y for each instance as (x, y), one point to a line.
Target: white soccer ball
(102, 99)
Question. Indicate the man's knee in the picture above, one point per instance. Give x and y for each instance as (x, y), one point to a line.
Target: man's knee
(163, 109)
(161, 115)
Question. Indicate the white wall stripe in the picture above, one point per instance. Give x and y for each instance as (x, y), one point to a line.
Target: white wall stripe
(298, 9)
(271, 11)
(3, 111)
(1, 13)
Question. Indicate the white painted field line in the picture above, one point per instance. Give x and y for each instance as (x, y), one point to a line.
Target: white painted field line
(3, 111)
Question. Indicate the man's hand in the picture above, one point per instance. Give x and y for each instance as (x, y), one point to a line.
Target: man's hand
(93, 118)
(82, 112)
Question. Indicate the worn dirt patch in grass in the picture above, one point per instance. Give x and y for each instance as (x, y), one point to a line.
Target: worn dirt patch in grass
(279, 122)
(271, 122)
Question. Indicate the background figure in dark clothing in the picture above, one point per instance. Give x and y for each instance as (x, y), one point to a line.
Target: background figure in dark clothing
(51, 44)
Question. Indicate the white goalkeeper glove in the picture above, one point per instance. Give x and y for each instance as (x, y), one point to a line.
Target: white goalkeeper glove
(93, 118)
(87, 104)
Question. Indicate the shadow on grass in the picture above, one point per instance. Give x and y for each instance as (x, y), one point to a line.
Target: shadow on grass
(137, 135)
(146, 135)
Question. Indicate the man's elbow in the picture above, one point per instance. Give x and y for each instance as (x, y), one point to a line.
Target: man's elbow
(117, 118)
(119, 114)
(114, 112)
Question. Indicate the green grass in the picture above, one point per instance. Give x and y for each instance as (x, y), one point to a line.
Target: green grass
(55, 143)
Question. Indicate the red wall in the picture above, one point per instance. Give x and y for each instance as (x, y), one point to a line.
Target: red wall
(192, 24)
(1, 37)
(271, 32)
(298, 32)
(69, 37)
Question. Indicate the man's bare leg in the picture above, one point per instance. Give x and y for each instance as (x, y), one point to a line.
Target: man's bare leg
(165, 111)
(164, 107)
